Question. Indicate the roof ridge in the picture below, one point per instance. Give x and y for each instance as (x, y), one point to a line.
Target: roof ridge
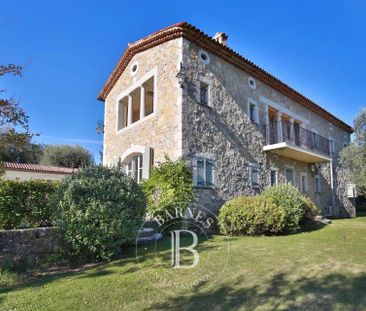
(37, 167)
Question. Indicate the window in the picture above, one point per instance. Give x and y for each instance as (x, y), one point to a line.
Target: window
(288, 126)
(273, 178)
(331, 145)
(204, 173)
(122, 113)
(204, 57)
(252, 83)
(149, 96)
(290, 176)
(317, 184)
(204, 93)
(254, 176)
(304, 182)
(134, 168)
(134, 68)
(351, 190)
(253, 111)
(136, 105)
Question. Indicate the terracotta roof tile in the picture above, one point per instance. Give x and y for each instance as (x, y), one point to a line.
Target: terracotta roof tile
(37, 168)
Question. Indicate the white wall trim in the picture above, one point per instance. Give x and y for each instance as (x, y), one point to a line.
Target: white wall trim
(104, 160)
(147, 76)
(282, 109)
(145, 151)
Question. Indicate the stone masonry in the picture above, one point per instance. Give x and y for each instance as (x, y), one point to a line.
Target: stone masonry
(27, 245)
(221, 131)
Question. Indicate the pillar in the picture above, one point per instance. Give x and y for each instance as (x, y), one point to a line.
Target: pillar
(292, 130)
(279, 126)
(129, 112)
(267, 124)
(142, 102)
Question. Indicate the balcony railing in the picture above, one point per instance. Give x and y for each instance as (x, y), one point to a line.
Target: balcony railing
(297, 136)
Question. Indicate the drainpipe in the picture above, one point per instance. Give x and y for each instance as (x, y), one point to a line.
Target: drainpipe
(331, 181)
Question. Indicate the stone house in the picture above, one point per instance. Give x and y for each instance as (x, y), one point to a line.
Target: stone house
(181, 93)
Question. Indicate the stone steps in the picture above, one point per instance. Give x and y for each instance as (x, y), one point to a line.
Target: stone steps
(149, 239)
(148, 235)
(146, 232)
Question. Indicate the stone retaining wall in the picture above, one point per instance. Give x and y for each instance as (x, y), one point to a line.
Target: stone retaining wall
(30, 244)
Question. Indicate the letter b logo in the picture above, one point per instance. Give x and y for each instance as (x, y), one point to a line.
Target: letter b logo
(176, 248)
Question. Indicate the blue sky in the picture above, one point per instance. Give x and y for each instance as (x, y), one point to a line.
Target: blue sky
(317, 47)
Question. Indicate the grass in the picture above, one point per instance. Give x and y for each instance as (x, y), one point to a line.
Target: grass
(323, 269)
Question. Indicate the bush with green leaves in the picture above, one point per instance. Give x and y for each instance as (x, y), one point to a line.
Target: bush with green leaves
(169, 186)
(25, 204)
(98, 209)
(310, 211)
(251, 216)
(291, 200)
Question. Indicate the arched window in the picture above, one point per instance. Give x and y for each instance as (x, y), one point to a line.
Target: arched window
(137, 161)
(134, 167)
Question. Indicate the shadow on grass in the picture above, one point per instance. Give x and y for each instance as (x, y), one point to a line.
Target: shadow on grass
(312, 227)
(41, 278)
(330, 292)
(361, 214)
(38, 279)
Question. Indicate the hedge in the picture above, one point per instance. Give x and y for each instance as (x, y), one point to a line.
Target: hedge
(291, 200)
(25, 204)
(251, 216)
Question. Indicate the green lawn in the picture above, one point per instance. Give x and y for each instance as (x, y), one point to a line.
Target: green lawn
(324, 269)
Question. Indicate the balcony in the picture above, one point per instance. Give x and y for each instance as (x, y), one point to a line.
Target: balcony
(292, 141)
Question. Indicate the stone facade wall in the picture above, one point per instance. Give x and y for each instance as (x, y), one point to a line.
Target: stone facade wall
(161, 130)
(224, 133)
(28, 244)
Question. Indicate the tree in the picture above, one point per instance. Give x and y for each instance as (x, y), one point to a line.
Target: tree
(353, 157)
(27, 153)
(14, 122)
(12, 116)
(67, 156)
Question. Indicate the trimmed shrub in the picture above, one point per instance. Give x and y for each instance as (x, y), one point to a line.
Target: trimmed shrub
(25, 204)
(169, 186)
(251, 216)
(98, 209)
(290, 199)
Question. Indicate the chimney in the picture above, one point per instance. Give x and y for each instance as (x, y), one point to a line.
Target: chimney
(221, 38)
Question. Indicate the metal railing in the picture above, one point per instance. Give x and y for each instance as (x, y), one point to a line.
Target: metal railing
(297, 136)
